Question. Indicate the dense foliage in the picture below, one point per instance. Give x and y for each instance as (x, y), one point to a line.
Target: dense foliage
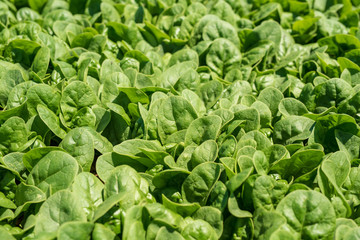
(156, 119)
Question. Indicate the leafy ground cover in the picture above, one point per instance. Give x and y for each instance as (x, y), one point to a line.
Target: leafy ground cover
(179, 120)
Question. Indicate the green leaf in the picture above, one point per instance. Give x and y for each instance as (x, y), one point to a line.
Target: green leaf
(79, 143)
(89, 188)
(184, 209)
(75, 230)
(5, 202)
(198, 185)
(51, 121)
(268, 192)
(55, 171)
(299, 164)
(58, 209)
(309, 213)
(13, 135)
(203, 129)
(222, 56)
(292, 129)
(175, 114)
(74, 97)
(192, 230)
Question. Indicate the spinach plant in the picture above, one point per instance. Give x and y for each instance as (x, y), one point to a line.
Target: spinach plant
(157, 120)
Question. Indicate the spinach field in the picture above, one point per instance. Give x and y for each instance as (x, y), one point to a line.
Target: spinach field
(179, 120)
